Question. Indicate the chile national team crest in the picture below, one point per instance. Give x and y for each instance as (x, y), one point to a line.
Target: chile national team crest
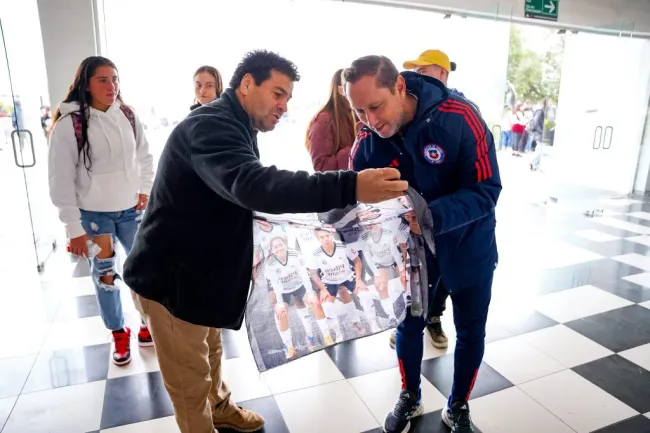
(434, 154)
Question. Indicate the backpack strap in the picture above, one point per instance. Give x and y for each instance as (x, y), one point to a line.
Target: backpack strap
(76, 124)
(130, 115)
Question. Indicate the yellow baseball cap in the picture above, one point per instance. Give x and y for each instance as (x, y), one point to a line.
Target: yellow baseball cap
(431, 57)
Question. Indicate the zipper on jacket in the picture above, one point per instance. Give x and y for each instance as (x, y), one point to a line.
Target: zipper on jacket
(399, 143)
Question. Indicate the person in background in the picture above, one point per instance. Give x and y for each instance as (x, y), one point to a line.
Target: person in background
(207, 86)
(436, 64)
(17, 120)
(46, 119)
(537, 125)
(100, 177)
(537, 130)
(443, 147)
(191, 266)
(506, 128)
(518, 131)
(331, 132)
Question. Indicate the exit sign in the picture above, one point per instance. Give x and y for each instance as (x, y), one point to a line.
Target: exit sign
(542, 9)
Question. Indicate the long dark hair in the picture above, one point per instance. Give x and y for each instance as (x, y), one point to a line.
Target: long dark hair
(79, 92)
(341, 115)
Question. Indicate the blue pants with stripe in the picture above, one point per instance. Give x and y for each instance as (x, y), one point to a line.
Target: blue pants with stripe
(470, 316)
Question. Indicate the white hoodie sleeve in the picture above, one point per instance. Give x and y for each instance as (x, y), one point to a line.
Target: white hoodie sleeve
(62, 160)
(145, 159)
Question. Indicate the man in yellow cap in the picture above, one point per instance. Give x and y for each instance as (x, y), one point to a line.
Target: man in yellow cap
(433, 63)
(436, 64)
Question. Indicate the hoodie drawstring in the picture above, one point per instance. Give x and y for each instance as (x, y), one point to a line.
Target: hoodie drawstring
(113, 113)
(110, 145)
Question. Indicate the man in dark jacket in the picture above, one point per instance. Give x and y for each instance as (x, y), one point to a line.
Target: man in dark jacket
(190, 267)
(444, 149)
(434, 64)
(537, 125)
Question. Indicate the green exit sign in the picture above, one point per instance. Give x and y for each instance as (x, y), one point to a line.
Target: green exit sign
(542, 9)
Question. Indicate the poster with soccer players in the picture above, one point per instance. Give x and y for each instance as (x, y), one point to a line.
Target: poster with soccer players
(321, 279)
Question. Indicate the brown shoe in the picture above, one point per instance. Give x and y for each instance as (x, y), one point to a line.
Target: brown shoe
(241, 420)
(438, 336)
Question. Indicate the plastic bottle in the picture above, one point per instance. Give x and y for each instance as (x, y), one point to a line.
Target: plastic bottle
(93, 250)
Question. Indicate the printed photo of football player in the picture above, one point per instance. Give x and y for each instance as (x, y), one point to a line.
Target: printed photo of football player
(288, 277)
(348, 224)
(304, 236)
(382, 245)
(336, 270)
(264, 230)
(369, 214)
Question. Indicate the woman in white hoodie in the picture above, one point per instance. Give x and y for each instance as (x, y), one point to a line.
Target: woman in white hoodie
(100, 176)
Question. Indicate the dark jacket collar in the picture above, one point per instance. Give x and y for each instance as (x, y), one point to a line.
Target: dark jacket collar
(428, 91)
(230, 97)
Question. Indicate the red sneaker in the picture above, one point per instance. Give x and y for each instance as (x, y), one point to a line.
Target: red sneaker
(122, 344)
(144, 337)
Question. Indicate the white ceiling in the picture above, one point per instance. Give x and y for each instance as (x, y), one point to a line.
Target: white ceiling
(613, 16)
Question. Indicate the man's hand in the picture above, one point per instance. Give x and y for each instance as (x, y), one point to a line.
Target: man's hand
(379, 184)
(143, 199)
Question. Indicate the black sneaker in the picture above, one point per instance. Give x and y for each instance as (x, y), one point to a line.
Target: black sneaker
(407, 407)
(457, 418)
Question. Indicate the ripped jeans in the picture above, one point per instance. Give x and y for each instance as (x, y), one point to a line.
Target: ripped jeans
(121, 226)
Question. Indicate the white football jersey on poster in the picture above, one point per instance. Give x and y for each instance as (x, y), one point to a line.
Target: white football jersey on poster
(289, 276)
(335, 268)
(383, 249)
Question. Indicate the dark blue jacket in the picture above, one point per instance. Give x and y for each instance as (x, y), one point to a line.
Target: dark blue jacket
(447, 154)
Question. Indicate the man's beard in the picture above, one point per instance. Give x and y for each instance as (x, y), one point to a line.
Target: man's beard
(393, 130)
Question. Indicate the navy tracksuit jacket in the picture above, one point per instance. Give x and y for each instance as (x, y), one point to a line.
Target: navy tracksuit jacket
(447, 154)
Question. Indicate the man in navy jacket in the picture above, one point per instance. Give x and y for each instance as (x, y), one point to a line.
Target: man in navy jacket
(442, 146)
(435, 64)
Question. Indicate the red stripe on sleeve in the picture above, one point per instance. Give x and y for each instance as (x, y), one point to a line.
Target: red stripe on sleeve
(482, 164)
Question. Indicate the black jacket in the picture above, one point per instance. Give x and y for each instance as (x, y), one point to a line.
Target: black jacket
(194, 250)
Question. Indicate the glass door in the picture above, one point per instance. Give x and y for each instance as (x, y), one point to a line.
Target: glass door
(599, 129)
(30, 222)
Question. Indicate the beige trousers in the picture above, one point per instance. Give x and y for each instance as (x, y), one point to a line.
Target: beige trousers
(190, 362)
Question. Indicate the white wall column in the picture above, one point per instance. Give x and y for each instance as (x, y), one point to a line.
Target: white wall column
(69, 35)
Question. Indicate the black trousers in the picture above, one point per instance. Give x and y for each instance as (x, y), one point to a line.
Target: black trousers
(438, 304)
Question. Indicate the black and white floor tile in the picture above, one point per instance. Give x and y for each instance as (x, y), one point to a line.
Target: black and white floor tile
(568, 348)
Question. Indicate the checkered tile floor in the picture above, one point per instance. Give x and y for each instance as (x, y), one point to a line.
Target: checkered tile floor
(568, 348)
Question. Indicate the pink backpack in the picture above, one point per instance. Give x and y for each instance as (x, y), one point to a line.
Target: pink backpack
(76, 123)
